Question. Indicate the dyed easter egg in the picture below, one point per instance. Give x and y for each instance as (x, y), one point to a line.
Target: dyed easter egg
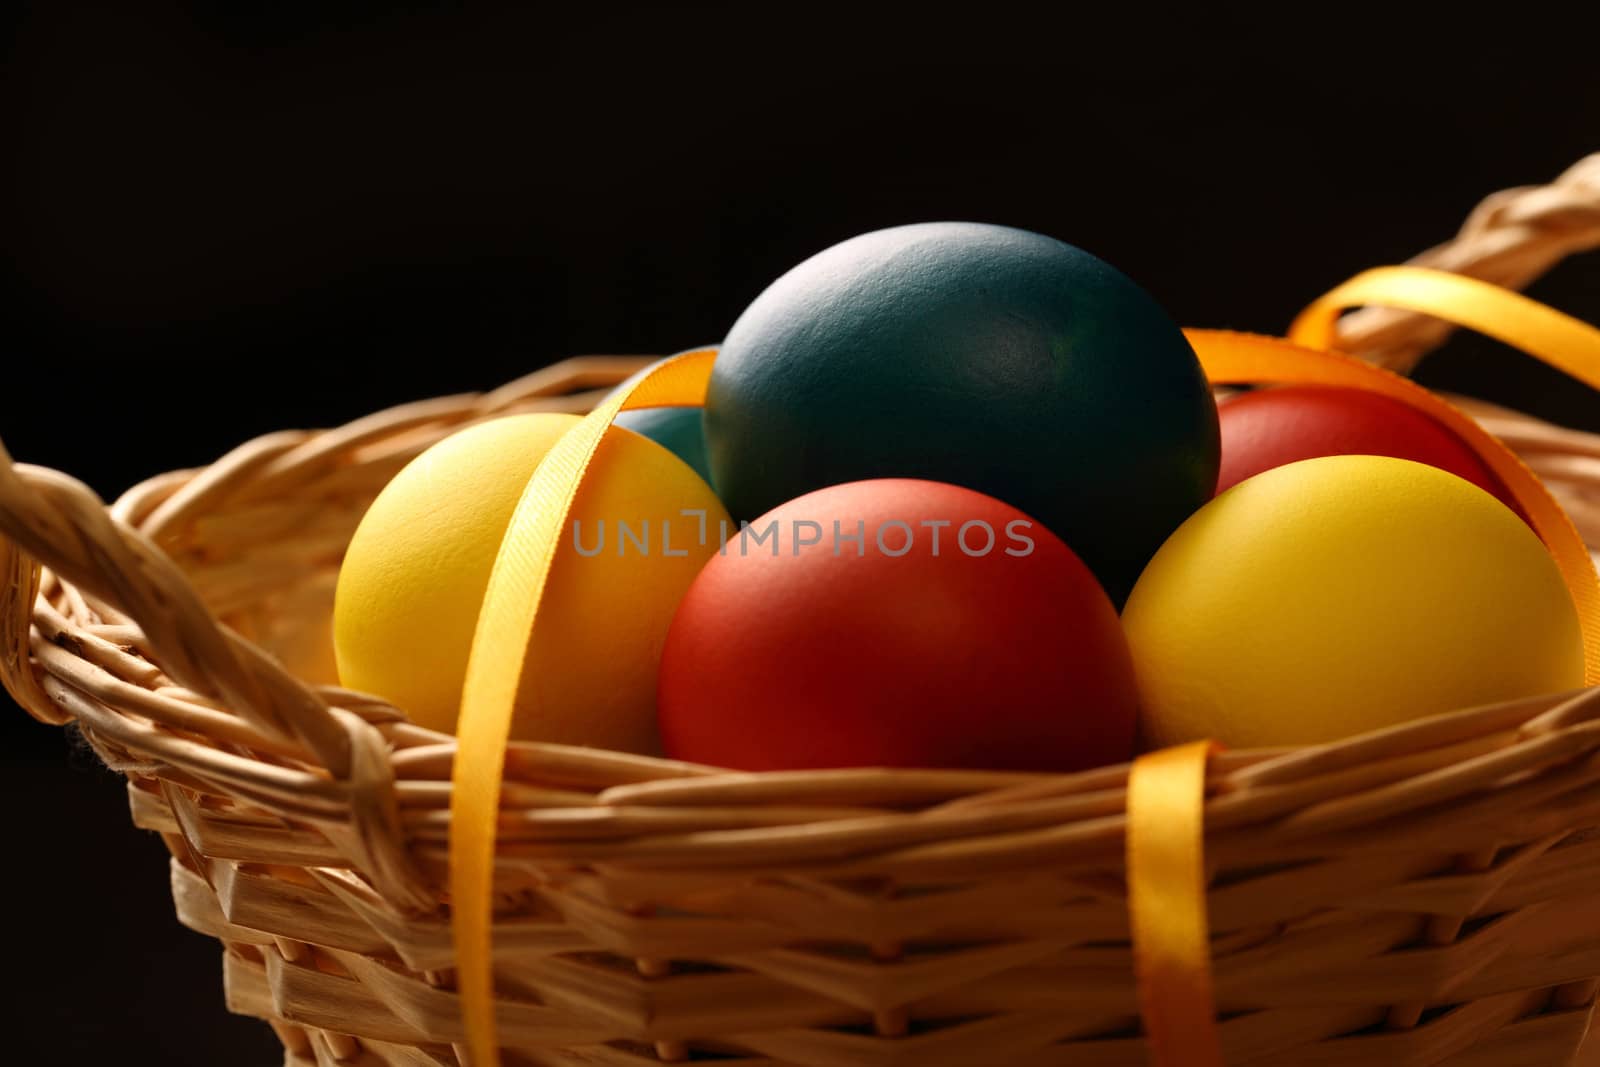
(678, 430)
(1338, 595)
(984, 356)
(416, 570)
(901, 623)
(1271, 427)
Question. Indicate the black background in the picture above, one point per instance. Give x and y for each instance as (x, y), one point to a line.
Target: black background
(217, 223)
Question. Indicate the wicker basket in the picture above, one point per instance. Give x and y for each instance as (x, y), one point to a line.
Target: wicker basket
(1423, 895)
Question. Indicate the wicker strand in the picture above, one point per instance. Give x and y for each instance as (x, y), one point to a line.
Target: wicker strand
(19, 586)
(1511, 239)
(60, 522)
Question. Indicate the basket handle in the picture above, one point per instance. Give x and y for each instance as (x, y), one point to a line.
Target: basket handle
(50, 519)
(1510, 239)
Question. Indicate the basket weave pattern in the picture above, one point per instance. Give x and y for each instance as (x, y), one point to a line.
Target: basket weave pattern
(1421, 895)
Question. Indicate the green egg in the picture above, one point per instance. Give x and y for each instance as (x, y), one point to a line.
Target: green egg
(985, 356)
(678, 430)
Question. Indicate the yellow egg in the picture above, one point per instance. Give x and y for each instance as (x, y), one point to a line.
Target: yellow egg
(1334, 596)
(416, 570)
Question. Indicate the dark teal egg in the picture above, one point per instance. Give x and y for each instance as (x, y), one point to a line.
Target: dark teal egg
(678, 430)
(985, 356)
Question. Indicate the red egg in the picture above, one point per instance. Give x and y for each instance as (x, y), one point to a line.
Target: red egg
(1272, 427)
(897, 622)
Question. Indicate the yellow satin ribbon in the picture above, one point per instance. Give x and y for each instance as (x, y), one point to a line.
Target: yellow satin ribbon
(494, 674)
(1566, 343)
(1167, 905)
(1167, 888)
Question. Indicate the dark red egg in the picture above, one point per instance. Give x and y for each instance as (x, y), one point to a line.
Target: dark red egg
(1271, 427)
(897, 623)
